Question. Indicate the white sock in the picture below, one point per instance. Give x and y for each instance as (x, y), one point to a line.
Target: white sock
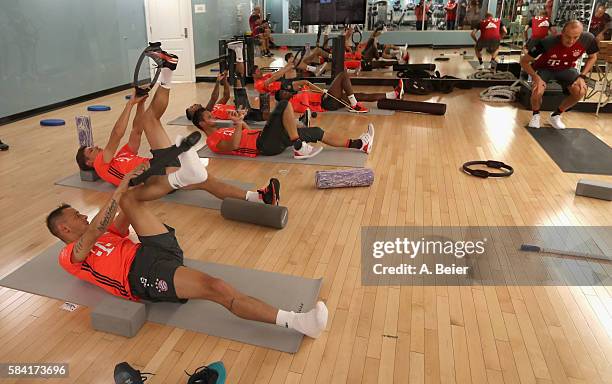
(310, 68)
(191, 171)
(311, 323)
(165, 78)
(353, 100)
(391, 95)
(253, 196)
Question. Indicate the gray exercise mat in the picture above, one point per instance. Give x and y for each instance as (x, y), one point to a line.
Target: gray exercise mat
(372, 110)
(340, 157)
(183, 120)
(43, 276)
(196, 198)
(575, 150)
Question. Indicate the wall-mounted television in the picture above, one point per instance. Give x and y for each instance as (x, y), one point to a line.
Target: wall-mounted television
(325, 12)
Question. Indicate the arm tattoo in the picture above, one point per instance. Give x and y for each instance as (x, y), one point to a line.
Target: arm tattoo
(109, 215)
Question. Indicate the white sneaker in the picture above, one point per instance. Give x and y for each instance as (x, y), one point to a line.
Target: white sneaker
(480, 67)
(535, 121)
(367, 139)
(306, 151)
(556, 122)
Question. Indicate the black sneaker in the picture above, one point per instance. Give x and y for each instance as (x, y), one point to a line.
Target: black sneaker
(305, 119)
(3, 147)
(271, 193)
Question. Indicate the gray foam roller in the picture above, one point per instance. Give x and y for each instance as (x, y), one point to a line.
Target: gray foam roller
(340, 178)
(273, 216)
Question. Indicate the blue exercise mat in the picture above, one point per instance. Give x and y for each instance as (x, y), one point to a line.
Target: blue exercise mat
(52, 122)
(98, 108)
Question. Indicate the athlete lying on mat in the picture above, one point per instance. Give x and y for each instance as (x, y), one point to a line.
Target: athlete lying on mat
(285, 87)
(101, 253)
(112, 164)
(280, 132)
(219, 107)
(339, 94)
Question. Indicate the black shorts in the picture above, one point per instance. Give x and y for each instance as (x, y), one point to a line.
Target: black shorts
(254, 115)
(274, 138)
(157, 154)
(564, 77)
(490, 45)
(152, 271)
(328, 103)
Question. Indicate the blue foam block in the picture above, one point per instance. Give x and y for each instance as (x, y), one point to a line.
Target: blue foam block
(98, 108)
(52, 122)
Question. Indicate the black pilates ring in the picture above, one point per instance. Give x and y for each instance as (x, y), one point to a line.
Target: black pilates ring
(146, 53)
(507, 170)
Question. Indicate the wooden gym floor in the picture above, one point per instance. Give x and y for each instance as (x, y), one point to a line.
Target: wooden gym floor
(383, 335)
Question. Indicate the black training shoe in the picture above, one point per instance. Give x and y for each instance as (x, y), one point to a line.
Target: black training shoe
(190, 141)
(3, 147)
(271, 193)
(125, 374)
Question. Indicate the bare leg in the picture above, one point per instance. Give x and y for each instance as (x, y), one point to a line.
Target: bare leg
(576, 94)
(155, 132)
(536, 96)
(240, 69)
(342, 83)
(335, 140)
(219, 189)
(494, 54)
(192, 284)
(478, 53)
(160, 102)
(289, 123)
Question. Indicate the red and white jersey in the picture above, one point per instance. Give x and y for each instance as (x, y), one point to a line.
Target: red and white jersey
(247, 146)
(551, 54)
(123, 163)
(540, 26)
(490, 29)
(108, 263)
